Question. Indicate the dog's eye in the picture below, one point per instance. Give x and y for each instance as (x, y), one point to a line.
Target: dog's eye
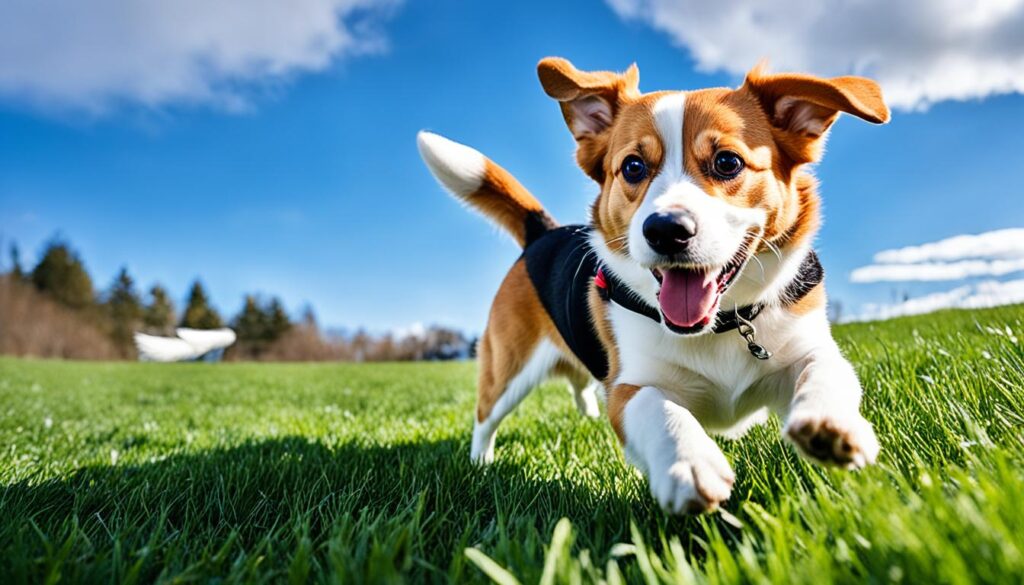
(727, 164)
(634, 169)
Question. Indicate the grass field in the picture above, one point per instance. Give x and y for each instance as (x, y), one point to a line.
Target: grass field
(123, 472)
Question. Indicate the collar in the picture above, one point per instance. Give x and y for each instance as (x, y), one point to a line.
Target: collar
(809, 275)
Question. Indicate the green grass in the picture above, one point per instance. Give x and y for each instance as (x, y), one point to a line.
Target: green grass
(123, 472)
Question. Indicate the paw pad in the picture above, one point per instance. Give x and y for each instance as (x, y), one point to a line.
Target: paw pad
(849, 444)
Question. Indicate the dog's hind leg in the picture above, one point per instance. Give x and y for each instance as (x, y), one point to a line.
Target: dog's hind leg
(512, 391)
(515, 355)
(584, 390)
(586, 399)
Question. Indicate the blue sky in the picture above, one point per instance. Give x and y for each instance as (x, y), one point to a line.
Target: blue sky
(303, 179)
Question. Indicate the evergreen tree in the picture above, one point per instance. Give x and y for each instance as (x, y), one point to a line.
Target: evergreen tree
(251, 327)
(16, 272)
(158, 316)
(124, 310)
(259, 324)
(198, 312)
(61, 274)
(278, 322)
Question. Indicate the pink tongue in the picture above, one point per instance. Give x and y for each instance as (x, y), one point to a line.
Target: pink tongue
(687, 297)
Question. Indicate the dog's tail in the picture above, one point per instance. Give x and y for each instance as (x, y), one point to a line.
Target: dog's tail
(475, 180)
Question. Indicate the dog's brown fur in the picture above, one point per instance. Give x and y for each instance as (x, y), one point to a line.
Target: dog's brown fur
(775, 123)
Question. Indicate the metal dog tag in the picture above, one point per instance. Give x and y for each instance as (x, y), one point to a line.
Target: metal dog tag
(758, 351)
(747, 331)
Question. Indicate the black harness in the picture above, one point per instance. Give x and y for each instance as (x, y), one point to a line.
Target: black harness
(563, 268)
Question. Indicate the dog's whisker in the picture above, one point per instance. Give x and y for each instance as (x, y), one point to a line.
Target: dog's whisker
(611, 243)
(764, 274)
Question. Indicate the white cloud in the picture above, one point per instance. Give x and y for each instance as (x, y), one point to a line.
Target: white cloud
(921, 51)
(91, 55)
(984, 294)
(994, 253)
(931, 271)
(1007, 243)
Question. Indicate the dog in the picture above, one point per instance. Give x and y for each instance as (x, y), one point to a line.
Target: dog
(693, 296)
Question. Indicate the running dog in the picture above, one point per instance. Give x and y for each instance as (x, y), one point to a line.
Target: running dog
(693, 296)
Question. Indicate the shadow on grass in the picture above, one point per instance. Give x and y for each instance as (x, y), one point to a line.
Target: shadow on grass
(300, 508)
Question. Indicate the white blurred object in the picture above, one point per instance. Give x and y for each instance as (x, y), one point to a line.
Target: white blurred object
(190, 345)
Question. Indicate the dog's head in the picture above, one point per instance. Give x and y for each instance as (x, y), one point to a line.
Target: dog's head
(695, 183)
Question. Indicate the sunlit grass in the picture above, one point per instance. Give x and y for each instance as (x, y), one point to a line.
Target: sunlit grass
(120, 472)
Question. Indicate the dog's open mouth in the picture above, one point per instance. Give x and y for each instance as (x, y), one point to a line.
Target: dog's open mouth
(689, 296)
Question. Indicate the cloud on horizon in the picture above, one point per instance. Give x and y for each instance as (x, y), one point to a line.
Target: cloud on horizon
(990, 293)
(994, 253)
(66, 55)
(934, 271)
(989, 254)
(921, 51)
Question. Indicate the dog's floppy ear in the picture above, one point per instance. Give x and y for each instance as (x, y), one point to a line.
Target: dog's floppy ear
(590, 100)
(801, 108)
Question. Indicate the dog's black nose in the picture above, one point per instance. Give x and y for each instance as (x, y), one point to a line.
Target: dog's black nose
(668, 232)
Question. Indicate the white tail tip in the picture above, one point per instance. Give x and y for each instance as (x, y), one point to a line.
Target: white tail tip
(459, 168)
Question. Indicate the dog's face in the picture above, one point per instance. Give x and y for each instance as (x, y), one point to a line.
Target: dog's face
(693, 184)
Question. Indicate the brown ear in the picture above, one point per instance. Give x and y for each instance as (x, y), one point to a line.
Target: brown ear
(801, 108)
(590, 100)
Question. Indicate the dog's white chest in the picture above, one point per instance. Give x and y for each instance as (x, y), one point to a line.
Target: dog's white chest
(708, 374)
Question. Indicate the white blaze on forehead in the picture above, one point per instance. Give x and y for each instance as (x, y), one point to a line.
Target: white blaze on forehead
(671, 180)
(668, 119)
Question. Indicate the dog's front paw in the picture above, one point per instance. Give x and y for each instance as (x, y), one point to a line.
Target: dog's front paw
(847, 442)
(693, 485)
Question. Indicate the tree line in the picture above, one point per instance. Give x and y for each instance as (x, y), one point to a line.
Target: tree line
(54, 310)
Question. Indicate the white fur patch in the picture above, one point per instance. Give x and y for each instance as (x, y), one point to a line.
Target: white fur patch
(714, 376)
(459, 168)
(536, 370)
(668, 118)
